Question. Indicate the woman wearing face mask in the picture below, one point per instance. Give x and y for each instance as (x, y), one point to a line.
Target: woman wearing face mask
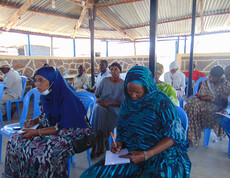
(43, 152)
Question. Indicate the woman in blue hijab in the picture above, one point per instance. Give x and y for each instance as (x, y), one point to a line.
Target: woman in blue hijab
(150, 129)
(43, 152)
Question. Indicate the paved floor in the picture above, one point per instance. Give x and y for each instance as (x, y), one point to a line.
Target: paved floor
(207, 162)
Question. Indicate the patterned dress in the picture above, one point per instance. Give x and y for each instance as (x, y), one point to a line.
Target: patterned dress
(40, 156)
(201, 114)
(142, 124)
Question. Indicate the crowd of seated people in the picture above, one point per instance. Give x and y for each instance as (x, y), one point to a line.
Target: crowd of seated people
(138, 109)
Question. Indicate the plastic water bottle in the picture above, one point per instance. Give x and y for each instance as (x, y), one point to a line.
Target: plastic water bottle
(66, 73)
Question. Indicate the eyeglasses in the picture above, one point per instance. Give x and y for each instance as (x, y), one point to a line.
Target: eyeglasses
(40, 80)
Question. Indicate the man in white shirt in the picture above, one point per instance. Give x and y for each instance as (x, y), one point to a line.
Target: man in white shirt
(81, 81)
(13, 84)
(104, 72)
(224, 121)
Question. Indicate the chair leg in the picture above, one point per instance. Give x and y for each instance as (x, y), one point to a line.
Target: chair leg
(18, 109)
(88, 157)
(0, 148)
(68, 166)
(8, 111)
(207, 133)
(229, 146)
(72, 159)
(1, 119)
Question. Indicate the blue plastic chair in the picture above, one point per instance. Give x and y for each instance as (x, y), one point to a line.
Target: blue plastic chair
(88, 100)
(8, 130)
(8, 103)
(196, 87)
(183, 117)
(2, 84)
(207, 133)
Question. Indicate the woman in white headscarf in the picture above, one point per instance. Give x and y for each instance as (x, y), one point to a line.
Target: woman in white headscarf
(175, 78)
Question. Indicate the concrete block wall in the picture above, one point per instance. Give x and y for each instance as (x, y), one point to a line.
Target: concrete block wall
(204, 62)
(27, 65)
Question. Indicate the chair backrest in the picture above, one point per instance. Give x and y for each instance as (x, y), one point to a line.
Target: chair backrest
(88, 100)
(24, 80)
(196, 87)
(2, 84)
(26, 102)
(183, 117)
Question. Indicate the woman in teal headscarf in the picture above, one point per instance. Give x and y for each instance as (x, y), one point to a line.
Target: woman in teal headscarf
(150, 129)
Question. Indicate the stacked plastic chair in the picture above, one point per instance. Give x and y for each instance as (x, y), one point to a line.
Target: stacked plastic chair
(88, 100)
(8, 130)
(8, 103)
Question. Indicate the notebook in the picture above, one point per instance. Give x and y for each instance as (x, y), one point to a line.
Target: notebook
(113, 158)
(225, 115)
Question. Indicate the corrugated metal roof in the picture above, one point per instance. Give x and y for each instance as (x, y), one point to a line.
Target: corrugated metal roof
(129, 16)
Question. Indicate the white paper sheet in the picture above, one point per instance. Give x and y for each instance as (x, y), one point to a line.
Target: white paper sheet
(113, 158)
(34, 127)
(225, 115)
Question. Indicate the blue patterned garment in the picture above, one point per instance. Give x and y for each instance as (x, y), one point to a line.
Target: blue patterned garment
(142, 124)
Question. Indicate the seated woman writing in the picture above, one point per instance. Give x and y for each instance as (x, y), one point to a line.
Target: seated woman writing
(43, 152)
(150, 129)
(201, 109)
(110, 94)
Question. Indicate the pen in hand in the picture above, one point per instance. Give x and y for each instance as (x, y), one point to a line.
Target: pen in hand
(113, 139)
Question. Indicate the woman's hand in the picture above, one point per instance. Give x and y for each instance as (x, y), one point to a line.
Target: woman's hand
(115, 148)
(135, 156)
(30, 133)
(105, 103)
(224, 112)
(29, 123)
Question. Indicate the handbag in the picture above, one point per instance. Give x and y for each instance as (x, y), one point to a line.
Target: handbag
(85, 140)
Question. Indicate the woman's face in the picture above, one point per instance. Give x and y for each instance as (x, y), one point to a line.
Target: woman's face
(213, 79)
(115, 72)
(173, 71)
(41, 83)
(135, 91)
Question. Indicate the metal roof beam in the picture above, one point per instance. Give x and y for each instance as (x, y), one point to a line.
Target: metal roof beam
(17, 15)
(79, 22)
(111, 23)
(82, 3)
(116, 3)
(180, 19)
(202, 15)
(40, 12)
